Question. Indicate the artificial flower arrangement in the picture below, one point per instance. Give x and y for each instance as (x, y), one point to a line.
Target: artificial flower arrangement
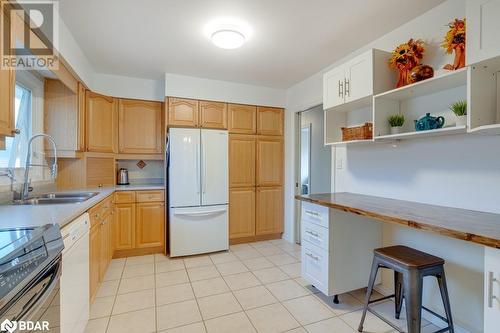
(405, 57)
(454, 41)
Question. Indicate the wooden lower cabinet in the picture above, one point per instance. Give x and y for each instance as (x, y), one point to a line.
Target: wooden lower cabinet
(124, 226)
(105, 250)
(139, 223)
(149, 224)
(269, 210)
(241, 212)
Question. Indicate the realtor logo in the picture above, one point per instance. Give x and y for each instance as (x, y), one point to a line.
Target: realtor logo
(8, 326)
(29, 34)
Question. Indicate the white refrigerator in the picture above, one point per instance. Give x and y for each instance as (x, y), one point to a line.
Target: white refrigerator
(197, 191)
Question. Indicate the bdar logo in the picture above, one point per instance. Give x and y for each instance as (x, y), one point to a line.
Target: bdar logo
(8, 326)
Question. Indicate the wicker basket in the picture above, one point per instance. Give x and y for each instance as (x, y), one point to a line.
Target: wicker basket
(362, 132)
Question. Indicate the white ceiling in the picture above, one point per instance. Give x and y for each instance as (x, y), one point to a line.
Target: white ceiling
(291, 40)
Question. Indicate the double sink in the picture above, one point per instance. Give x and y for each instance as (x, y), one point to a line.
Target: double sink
(56, 198)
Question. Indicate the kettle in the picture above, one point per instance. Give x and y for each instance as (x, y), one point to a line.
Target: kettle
(429, 122)
(122, 177)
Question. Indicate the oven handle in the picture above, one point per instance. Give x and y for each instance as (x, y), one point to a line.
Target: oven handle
(35, 303)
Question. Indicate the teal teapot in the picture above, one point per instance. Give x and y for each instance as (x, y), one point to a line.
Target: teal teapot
(429, 122)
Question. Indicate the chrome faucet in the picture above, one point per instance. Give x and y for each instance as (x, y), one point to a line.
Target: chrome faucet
(53, 168)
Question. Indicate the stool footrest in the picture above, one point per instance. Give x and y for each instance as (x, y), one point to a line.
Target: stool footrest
(381, 299)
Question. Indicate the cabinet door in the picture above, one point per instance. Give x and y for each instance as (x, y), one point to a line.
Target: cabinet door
(81, 118)
(94, 259)
(124, 231)
(213, 115)
(491, 290)
(101, 125)
(182, 112)
(270, 155)
(7, 87)
(241, 212)
(100, 171)
(105, 245)
(139, 127)
(7, 91)
(270, 121)
(269, 217)
(241, 160)
(333, 88)
(483, 27)
(359, 77)
(242, 118)
(150, 224)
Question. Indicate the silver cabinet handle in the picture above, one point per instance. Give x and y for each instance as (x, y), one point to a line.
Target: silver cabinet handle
(313, 257)
(347, 87)
(491, 297)
(314, 234)
(341, 89)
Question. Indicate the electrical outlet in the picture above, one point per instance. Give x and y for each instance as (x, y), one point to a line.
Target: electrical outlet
(340, 163)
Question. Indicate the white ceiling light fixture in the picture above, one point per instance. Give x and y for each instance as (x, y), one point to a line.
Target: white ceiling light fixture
(228, 39)
(228, 33)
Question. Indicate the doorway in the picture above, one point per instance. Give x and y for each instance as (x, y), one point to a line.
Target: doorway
(314, 158)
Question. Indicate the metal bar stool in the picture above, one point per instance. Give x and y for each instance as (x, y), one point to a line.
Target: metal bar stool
(410, 266)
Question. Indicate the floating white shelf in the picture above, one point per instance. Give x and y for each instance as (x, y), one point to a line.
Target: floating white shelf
(446, 81)
(349, 143)
(422, 134)
(493, 129)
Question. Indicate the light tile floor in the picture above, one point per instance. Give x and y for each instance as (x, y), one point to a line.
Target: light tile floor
(253, 287)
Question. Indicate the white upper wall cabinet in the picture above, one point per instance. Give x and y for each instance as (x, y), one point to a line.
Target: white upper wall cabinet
(483, 29)
(357, 80)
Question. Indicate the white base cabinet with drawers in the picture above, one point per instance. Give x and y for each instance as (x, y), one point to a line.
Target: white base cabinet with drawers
(337, 248)
(491, 290)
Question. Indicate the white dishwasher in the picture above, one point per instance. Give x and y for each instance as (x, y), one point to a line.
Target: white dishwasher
(75, 276)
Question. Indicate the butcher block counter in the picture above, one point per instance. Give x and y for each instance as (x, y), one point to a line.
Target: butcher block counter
(473, 226)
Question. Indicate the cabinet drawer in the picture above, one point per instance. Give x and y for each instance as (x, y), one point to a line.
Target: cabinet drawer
(125, 197)
(315, 214)
(150, 196)
(315, 266)
(100, 211)
(315, 234)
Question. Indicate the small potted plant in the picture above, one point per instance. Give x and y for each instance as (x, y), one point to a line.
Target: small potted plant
(460, 110)
(396, 121)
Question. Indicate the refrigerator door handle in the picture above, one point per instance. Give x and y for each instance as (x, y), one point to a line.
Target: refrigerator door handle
(202, 212)
(204, 157)
(198, 171)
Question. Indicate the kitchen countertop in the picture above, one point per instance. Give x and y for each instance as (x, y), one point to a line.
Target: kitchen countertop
(18, 216)
(473, 226)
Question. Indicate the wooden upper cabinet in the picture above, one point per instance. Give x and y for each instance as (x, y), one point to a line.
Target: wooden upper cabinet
(150, 224)
(101, 125)
(7, 90)
(241, 212)
(270, 155)
(81, 117)
(182, 112)
(213, 115)
(270, 121)
(241, 160)
(139, 127)
(242, 118)
(269, 208)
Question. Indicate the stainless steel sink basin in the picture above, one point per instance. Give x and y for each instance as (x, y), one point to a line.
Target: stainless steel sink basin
(57, 198)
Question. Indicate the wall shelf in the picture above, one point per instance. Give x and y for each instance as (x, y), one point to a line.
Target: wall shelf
(421, 134)
(349, 143)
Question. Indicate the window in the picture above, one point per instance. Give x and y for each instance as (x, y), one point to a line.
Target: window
(14, 156)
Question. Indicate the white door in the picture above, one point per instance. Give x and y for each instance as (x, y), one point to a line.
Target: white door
(184, 167)
(198, 230)
(491, 290)
(483, 28)
(333, 88)
(214, 166)
(359, 77)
